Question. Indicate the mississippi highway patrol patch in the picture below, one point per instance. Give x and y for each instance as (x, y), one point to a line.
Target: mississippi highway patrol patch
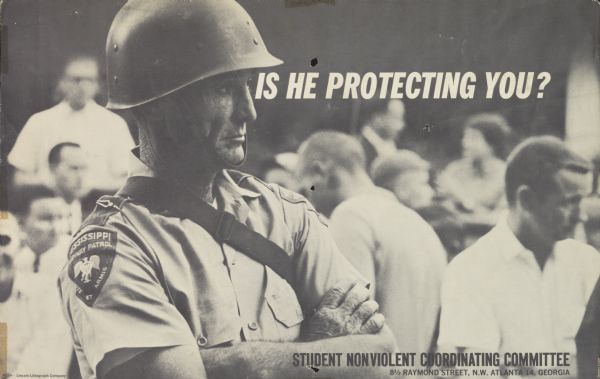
(91, 257)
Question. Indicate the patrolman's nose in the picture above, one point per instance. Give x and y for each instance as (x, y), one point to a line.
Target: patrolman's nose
(245, 107)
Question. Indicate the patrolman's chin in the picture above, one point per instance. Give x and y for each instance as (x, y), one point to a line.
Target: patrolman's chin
(235, 157)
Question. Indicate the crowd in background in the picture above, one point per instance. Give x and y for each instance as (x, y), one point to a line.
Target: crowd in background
(393, 217)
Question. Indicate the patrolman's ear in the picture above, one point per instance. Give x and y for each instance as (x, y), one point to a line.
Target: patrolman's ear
(526, 198)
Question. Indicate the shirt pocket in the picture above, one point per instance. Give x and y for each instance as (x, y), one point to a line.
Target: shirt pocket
(284, 306)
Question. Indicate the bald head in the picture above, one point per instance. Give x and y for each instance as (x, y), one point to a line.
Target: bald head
(386, 169)
(406, 174)
(331, 167)
(331, 148)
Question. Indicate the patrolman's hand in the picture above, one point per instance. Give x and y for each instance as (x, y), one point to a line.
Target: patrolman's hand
(345, 309)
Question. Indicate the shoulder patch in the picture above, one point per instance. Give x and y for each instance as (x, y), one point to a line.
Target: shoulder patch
(91, 257)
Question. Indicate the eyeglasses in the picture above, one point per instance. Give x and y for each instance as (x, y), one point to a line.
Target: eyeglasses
(79, 79)
(5, 240)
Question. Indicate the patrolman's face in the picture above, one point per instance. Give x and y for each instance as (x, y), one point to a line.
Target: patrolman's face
(216, 112)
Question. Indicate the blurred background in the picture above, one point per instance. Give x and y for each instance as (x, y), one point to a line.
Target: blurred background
(551, 35)
(443, 159)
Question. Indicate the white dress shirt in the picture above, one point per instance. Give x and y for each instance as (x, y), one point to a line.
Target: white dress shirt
(495, 296)
(48, 349)
(103, 136)
(400, 255)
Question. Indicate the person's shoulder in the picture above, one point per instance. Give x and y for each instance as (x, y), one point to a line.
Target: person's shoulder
(498, 163)
(457, 164)
(352, 213)
(291, 201)
(454, 168)
(252, 183)
(580, 251)
(105, 208)
(354, 205)
(477, 258)
(106, 115)
(105, 235)
(41, 118)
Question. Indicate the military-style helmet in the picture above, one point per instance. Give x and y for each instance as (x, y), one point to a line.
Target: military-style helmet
(156, 47)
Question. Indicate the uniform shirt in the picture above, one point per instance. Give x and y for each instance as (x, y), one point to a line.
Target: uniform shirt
(103, 136)
(39, 320)
(394, 248)
(495, 297)
(170, 283)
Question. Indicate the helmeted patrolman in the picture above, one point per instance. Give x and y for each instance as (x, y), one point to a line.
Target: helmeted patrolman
(192, 269)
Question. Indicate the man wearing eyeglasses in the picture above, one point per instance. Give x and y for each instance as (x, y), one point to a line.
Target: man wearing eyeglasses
(103, 135)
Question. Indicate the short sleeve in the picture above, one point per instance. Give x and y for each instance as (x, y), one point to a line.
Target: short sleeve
(112, 296)
(467, 319)
(24, 154)
(318, 263)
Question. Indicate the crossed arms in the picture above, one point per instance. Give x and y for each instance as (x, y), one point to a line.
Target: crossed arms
(346, 321)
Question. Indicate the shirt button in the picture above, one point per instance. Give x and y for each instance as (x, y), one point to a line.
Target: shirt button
(202, 341)
(252, 326)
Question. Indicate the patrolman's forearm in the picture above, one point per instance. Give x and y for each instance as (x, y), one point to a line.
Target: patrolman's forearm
(275, 359)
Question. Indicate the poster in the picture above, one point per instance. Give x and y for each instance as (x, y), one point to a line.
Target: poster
(442, 90)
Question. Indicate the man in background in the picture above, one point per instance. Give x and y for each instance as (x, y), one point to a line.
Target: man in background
(523, 286)
(408, 176)
(382, 123)
(280, 169)
(13, 306)
(390, 244)
(42, 215)
(103, 136)
(68, 168)
(10, 243)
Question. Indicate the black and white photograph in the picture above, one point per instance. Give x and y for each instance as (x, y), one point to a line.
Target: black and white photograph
(195, 189)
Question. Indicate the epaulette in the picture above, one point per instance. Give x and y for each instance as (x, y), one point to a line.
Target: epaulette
(284, 193)
(239, 178)
(105, 206)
